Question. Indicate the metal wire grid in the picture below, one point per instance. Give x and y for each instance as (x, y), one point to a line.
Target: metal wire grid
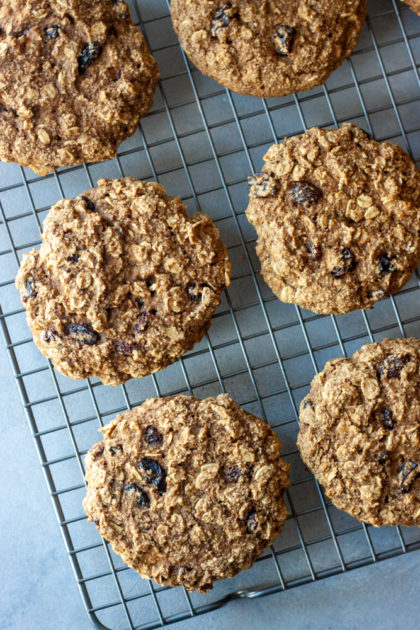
(201, 141)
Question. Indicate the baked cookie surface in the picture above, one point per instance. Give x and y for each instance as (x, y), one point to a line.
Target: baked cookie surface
(268, 48)
(337, 216)
(187, 491)
(360, 432)
(414, 5)
(124, 282)
(75, 78)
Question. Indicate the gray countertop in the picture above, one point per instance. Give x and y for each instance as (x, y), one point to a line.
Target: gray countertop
(38, 590)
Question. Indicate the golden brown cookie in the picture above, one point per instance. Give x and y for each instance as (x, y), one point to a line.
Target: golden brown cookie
(266, 47)
(338, 219)
(187, 491)
(414, 5)
(124, 282)
(360, 432)
(75, 78)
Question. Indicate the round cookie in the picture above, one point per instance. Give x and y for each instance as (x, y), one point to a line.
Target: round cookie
(414, 5)
(75, 78)
(338, 219)
(360, 432)
(124, 282)
(187, 491)
(268, 48)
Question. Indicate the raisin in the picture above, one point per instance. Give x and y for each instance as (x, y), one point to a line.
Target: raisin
(143, 500)
(88, 56)
(283, 40)
(83, 333)
(387, 418)
(251, 522)
(186, 575)
(23, 32)
(30, 289)
(393, 365)
(307, 403)
(74, 258)
(150, 281)
(314, 250)
(143, 320)
(348, 265)
(122, 347)
(119, 230)
(376, 294)
(193, 292)
(114, 449)
(112, 32)
(408, 472)
(385, 264)
(381, 457)
(222, 18)
(155, 474)
(304, 193)
(262, 185)
(96, 521)
(52, 32)
(8, 111)
(49, 335)
(96, 451)
(152, 436)
(89, 204)
(232, 474)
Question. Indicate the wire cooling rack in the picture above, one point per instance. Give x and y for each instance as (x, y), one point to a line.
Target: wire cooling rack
(202, 142)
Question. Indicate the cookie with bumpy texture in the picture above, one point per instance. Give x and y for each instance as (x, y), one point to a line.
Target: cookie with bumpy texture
(124, 282)
(414, 5)
(360, 432)
(187, 491)
(337, 216)
(75, 78)
(268, 48)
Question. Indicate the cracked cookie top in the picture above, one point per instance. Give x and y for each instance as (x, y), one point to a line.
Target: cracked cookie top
(187, 491)
(268, 48)
(360, 432)
(75, 78)
(338, 219)
(124, 282)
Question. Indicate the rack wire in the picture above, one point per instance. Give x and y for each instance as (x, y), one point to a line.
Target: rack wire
(201, 142)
